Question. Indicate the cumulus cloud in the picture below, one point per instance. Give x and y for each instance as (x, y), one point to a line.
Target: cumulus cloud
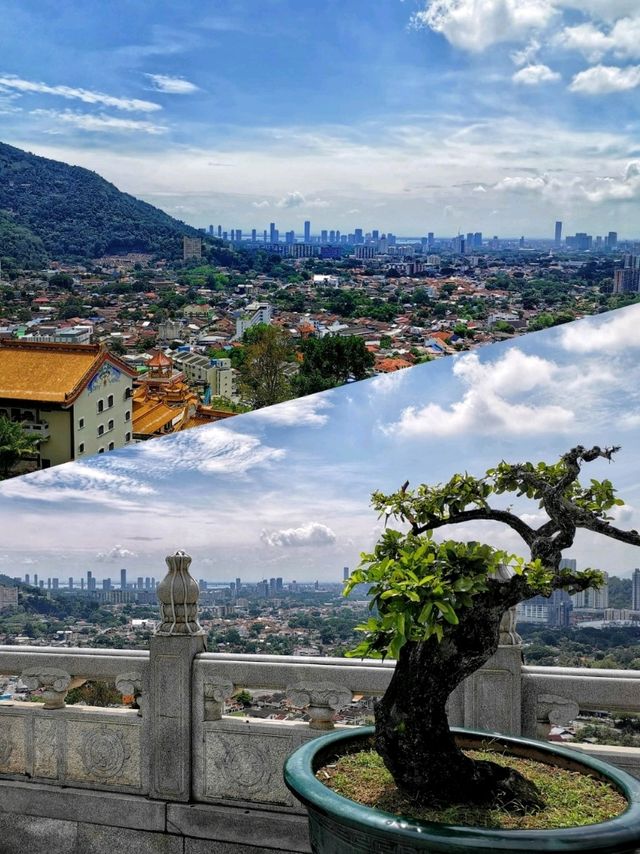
(296, 199)
(477, 24)
(622, 39)
(613, 334)
(86, 95)
(262, 204)
(311, 534)
(489, 405)
(172, 85)
(534, 75)
(616, 189)
(605, 79)
(100, 123)
(116, 553)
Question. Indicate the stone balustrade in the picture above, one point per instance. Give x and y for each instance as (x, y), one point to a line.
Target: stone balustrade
(183, 768)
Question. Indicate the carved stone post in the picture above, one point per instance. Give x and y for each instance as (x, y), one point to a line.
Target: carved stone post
(55, 683)
(176, 642)
(322, 699)
(130, 685)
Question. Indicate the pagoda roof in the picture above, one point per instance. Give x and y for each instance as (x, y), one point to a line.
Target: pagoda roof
(159, 360)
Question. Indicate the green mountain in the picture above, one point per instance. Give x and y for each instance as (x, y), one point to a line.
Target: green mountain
(66, 212)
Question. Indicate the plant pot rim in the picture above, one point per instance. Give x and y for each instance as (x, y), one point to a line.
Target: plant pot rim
(618, 834)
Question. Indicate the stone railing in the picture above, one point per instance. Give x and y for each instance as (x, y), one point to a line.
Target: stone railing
(73, 745)
(183, 768)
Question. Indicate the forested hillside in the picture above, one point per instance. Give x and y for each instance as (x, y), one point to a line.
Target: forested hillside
(72, 213)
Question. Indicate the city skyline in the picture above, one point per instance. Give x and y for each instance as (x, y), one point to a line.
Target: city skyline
(429, 111)
(285, 491)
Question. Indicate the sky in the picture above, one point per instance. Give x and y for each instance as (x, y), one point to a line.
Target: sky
(404, 115)
(285, 491)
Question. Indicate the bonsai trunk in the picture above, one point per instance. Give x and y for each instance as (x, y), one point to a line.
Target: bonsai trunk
(412, 731)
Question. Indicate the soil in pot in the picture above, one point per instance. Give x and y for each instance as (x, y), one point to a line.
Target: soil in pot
(571, 799)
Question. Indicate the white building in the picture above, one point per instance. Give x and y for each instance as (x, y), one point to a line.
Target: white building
(253, 314)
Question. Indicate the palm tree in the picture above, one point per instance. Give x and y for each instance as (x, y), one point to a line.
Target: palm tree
(14, 445)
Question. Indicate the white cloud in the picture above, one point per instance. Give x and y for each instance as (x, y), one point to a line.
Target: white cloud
(488, 406)
(616, 189)
(591, 42)
(614, 334)
(477, 24)
(296, 199)
(100, 123)
(605, 79)
(86, 95)
(292, 200)
(172, 85)
(263, 204)
(215, 450)
(311, 534)
(388, 383)
(522, 183)
(304, 412)
(116, 553)
(533, 75)
(527, 54)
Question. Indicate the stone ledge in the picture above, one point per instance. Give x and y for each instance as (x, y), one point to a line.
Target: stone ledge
(82, 805)
(263, 829)
(625, 758)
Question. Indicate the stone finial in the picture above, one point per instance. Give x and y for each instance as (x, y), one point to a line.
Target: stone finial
(322, 700)
(178, 595)
(55, 683)
(130, 684)
(508, 634)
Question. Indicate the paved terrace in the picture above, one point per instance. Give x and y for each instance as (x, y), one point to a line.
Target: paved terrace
(180, 777)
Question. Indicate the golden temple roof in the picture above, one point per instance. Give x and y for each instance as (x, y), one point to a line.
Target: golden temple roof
(50, 372)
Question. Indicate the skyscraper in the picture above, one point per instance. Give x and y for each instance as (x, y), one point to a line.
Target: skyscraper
(272, 232)
(123, 579)
(558, 234)
(307, 231)
(635, 590)
(345, 573)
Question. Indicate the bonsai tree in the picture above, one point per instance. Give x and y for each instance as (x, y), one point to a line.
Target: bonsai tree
(438, 607)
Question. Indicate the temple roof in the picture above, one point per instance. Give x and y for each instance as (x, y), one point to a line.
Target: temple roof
(159, 360)
(50, 372)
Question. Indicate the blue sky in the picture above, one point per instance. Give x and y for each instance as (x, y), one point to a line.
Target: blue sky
(285, 491)
(414, 116)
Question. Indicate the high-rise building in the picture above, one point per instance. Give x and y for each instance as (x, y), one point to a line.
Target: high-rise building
(345, 573)
(357, 236)
(191, 247)
(307, 231)
(627, 279)
(477, 240)
(324, 236)
(635, 590)
(272, 232)
(253, 235)
(123, 579)
(558, 234)
(70, 583)
(612, 239)
(238, 586)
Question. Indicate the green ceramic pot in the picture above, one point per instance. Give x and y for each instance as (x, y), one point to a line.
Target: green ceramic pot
(341, 826)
